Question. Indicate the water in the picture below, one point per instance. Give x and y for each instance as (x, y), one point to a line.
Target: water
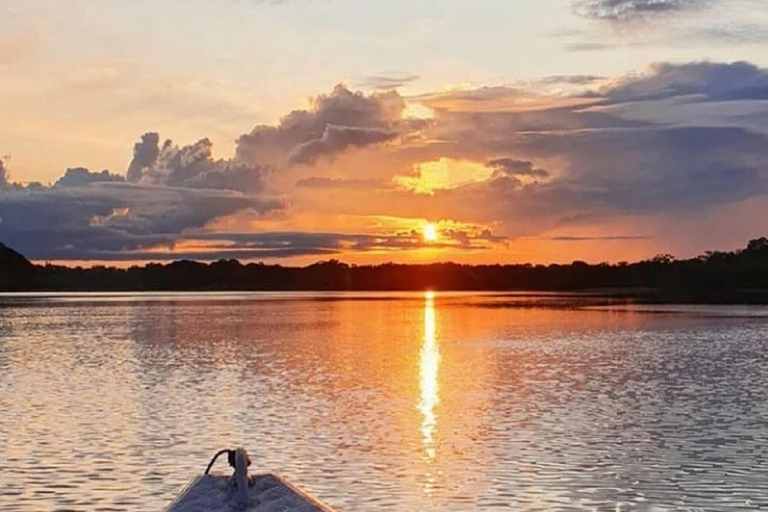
(396, 402)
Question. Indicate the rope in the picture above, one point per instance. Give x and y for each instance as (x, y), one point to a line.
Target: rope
(213, 460)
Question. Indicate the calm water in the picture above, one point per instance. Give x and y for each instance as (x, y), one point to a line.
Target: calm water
(410, 402)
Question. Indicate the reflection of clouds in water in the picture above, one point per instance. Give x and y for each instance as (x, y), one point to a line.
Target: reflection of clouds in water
(429, 386)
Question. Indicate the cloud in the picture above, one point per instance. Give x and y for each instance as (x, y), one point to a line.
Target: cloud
(571, 79)
(260, 246)
(191, 166)
(334, 123)
(336, 139)
(554, 163)
(468, 239)
(510, 167)
(80, 177)
(388, 82)
(587, 46)
(627, 10)
(714, 81)
(674, 24)
(83, 222)
(648, 170)
(4, 178)
(677, 142)
(172, 192)
(145, 153)
(495, 100)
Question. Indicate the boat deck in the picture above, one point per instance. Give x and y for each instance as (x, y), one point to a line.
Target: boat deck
(268, 493)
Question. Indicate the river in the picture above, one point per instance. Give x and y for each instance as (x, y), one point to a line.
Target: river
(385, 402)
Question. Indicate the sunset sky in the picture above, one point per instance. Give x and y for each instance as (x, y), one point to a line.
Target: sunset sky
(294, 131)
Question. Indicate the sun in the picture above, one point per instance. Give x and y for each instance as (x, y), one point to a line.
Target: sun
(430, 233)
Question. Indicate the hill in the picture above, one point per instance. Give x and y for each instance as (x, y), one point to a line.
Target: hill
(16, 271)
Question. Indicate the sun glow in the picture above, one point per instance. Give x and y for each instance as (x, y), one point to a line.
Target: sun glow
(430, 232)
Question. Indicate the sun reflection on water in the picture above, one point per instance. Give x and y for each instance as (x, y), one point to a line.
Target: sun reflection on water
(429, 367)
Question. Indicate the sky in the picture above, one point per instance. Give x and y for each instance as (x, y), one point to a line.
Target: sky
(293, 131)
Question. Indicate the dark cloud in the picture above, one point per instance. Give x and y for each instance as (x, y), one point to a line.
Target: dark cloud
(626, 10)
(572, 79)
(4, 178)
(173, 191)
(338, 242)
(648, 170)
(587, 46)
(200, 255)
(717, 82)
(712, 31)
(80, 177)
(468, 239)
(606, 164)
(255, 246)
(145, 154)
(511, 167)
(335, 122)
(593, 159)
(388, 82)
(678, 142)
(336, 139)
(82, 222)
(191, 166)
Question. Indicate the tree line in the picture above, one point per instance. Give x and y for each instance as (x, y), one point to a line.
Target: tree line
(743, 272)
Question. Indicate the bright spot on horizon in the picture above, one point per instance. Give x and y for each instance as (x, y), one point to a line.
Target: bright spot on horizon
(430, 232)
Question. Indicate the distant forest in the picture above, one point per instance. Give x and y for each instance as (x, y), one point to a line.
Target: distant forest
(738, 276)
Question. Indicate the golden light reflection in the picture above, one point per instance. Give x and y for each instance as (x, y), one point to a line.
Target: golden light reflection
(429, 385)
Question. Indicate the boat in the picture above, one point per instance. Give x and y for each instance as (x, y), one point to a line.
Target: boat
(242, 492)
